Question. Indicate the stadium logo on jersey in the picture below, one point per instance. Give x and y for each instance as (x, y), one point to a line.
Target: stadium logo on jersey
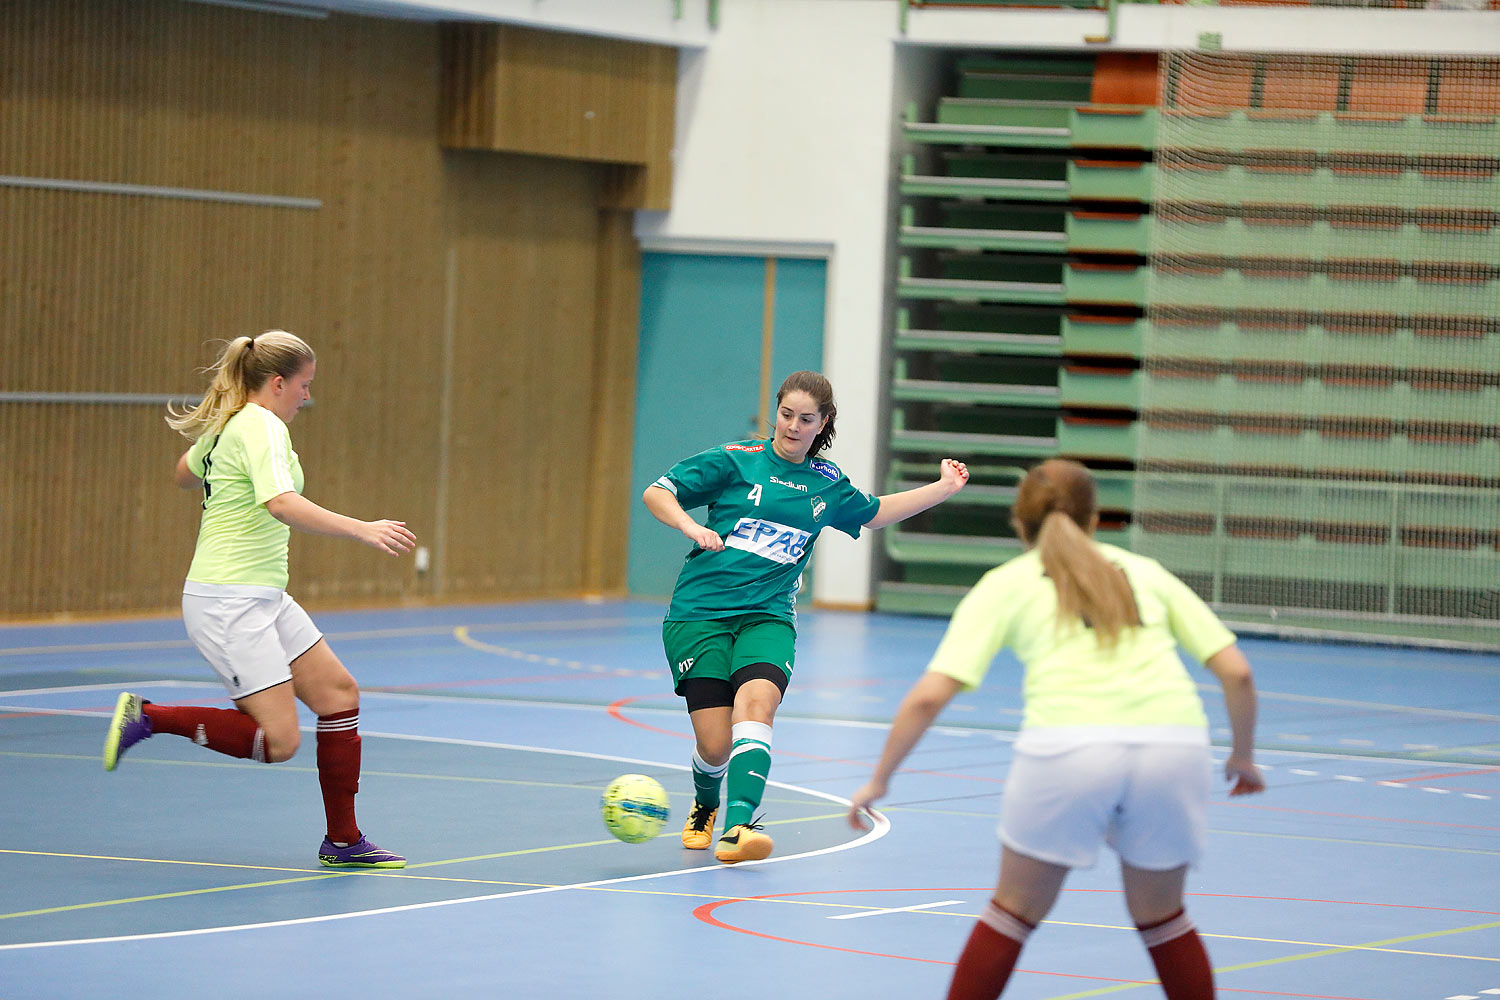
(818, 507)
(791, 486)
(826, 469)
(779, 543)
(744, 447)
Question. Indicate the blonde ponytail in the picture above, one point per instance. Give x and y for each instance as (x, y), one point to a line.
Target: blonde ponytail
(245, 365)
(1089, 587)
(1056, 510)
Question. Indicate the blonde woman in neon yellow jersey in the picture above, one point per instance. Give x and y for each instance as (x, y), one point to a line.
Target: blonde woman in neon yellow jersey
(1113, 746)
(264, 647)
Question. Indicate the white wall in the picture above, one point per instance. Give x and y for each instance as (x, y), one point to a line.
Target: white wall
(784, 139)
(1150, 27)
(666, 22)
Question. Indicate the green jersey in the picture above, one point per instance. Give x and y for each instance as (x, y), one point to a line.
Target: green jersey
(769, 512)
(1070, 680)
(244, 465)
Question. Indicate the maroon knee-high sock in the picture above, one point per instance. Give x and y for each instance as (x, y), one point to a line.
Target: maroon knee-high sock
(226, 730)
(987, 960)
(1181, 963)
(338, 772)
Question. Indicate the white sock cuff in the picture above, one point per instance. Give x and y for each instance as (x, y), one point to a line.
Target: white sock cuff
(704, 767)
(1005, 923)
(757, 731)
(1167, 931)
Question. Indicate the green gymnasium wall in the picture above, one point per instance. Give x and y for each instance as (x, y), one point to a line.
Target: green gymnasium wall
(704, 336)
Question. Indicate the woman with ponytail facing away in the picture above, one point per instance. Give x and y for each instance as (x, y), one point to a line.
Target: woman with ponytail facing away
(1113, 747)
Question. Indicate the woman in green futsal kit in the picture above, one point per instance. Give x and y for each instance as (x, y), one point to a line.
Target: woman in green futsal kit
(730, 632)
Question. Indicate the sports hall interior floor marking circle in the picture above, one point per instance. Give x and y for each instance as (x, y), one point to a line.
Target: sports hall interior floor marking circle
(707, 914)
(877, 831)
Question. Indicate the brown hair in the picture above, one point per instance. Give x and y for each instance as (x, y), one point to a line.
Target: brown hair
(821, 391)
(245, 365)
(1056, 509)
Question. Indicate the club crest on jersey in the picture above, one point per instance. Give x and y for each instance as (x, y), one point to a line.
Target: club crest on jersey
(818, 507)
(779, 543)
(744, 447)
(826, 469)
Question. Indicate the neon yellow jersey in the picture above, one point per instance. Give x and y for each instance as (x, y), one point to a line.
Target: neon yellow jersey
(1070, 681)
(246, 464)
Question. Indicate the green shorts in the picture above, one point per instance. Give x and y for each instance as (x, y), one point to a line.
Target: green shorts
(717, 647)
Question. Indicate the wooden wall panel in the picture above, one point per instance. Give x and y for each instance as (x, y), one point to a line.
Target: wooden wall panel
(91, 518)
(370, 446)
(524, 372)
(125, 292)
(616, 341)
(580, 97)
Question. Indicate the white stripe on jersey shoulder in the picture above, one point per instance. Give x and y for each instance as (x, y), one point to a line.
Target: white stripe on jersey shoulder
(280, 439)
(667, 485)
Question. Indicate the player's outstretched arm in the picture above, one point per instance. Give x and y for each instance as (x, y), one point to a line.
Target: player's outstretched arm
(296, 511)
(665, 508)
(1233, 671)
(952, 475)
(922, 704)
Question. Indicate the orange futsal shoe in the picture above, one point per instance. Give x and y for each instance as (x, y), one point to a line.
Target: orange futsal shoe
(698, 831)
(743, 843)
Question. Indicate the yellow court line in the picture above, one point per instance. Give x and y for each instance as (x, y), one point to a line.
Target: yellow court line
(1358, 843)
(153, 861)
(169, 895)
(1326, 948)
(1451, 751)
(1374, 946)
(1332, 950)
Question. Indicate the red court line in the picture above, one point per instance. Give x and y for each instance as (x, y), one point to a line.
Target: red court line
(615, 712)
(1434, 777)
(705, 913)
(1334, 815)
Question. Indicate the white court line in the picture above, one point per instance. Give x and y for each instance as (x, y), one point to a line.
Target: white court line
(112, 686)
(880, 827)
(478, 701)
(1379, 706)
(897, 909)
(781, 718)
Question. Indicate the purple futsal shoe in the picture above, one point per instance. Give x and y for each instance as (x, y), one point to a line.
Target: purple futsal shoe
(360, 854)
(127, 727)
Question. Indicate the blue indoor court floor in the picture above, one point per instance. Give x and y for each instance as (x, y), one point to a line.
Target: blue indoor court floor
(1370, 869)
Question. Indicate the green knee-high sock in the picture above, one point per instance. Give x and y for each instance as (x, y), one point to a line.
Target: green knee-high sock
(749, 763)
(706, 781)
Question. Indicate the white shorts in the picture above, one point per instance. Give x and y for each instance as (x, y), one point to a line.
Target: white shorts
(1148, 801)
(249, 641)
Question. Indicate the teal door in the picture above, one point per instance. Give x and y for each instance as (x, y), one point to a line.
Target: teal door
(718, 334)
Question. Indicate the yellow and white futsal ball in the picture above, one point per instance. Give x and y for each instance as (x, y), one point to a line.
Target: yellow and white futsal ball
(635, 808)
